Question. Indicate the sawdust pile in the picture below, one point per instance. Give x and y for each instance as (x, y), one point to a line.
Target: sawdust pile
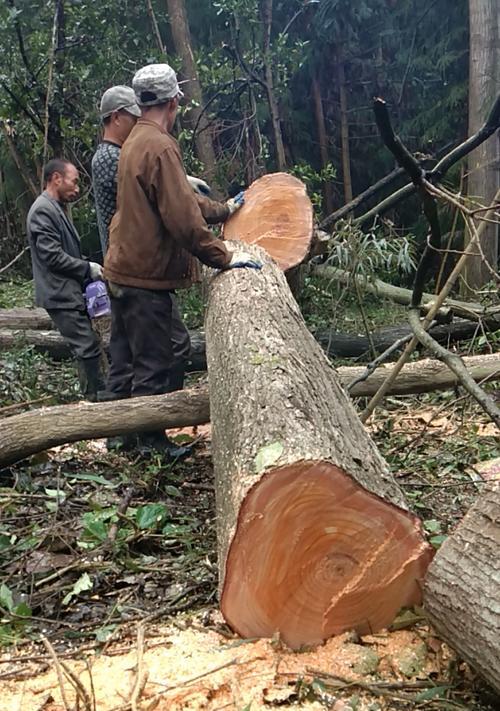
(194, 669)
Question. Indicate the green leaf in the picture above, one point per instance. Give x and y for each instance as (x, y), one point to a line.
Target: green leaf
(6, 599)
(22, 610)
(150, 516)
(437, 541)
(104, 633)
(432, 525)
(94, 478)
(83, 583)
(172, 490)
(5, 541)
(436, 692)
(267, 456)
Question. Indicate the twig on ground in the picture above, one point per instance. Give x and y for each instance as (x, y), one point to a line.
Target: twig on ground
(455, 364)
(372, 367)
(141, 675)
(59, 671)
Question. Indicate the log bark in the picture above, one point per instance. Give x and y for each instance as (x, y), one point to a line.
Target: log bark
(47, 427)
(35, 431)
(314, 535)
(462, 588)
(22, 318)
(483, 163)
(278, 216)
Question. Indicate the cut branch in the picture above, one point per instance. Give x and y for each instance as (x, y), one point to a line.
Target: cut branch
(491, 124)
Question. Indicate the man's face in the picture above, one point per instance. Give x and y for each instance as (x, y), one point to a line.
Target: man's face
(124, 123)
(66, 184)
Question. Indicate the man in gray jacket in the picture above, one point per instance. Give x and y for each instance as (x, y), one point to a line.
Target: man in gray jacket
(60, 273)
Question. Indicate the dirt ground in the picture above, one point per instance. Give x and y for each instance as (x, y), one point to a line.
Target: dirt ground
(126, 602)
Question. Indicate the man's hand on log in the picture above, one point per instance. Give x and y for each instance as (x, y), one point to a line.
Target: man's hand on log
(236, 202)
(243, 259)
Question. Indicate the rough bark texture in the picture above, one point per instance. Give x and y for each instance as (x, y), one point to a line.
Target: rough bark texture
(307, 509)
(483, 163)
(21, 318)
(192, 88)
(31, 432)
(49, 426)
(462, 588)
(278, 216)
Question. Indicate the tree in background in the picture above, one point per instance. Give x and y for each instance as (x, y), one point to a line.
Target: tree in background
(483, 178)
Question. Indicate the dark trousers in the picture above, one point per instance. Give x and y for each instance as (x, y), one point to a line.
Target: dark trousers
(76, 329)
(148, 341)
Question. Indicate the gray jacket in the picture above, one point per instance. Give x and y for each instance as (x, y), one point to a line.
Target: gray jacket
(59, 271)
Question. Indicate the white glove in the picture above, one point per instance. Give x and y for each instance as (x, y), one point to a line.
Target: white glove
(236, 202)
(199, 185)
(95, 271)
(244, 259)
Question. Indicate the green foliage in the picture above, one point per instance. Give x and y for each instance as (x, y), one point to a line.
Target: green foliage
(314, 181)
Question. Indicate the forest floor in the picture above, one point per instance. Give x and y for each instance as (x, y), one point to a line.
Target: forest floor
(108, 574)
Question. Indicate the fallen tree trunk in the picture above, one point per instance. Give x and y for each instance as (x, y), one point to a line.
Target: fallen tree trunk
(23, 318)
(335, 343)
(462, 588)
(462, 309)
(47, 427)
(314, 535)
(35, 431)
(52, 343)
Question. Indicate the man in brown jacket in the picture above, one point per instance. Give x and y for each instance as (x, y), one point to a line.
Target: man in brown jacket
(156, 236)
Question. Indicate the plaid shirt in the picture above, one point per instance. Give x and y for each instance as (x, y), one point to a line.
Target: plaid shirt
(104, 183)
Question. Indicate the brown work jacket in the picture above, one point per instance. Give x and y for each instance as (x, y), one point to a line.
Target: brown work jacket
(159, 228)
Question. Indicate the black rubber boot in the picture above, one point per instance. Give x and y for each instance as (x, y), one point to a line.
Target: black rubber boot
(90, 377)
(119, 443)
(157, 442)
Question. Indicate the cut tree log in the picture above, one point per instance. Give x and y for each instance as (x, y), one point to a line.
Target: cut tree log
(278, 216)
(45, 427)
(314, 535)
(462, 588)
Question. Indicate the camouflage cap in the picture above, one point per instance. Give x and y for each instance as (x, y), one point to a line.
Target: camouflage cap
(155, 84)
(117, 98)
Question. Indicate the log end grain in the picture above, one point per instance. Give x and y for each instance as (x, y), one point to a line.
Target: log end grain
(315, 555)
(278, 216)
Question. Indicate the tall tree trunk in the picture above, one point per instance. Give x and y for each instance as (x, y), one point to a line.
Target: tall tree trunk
(192, 88)
(267, 16)
(344, 132)
(322, 139)
(484, 85)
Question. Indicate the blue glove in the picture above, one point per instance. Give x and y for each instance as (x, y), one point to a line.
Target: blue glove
(236, 202)
(243, 260)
